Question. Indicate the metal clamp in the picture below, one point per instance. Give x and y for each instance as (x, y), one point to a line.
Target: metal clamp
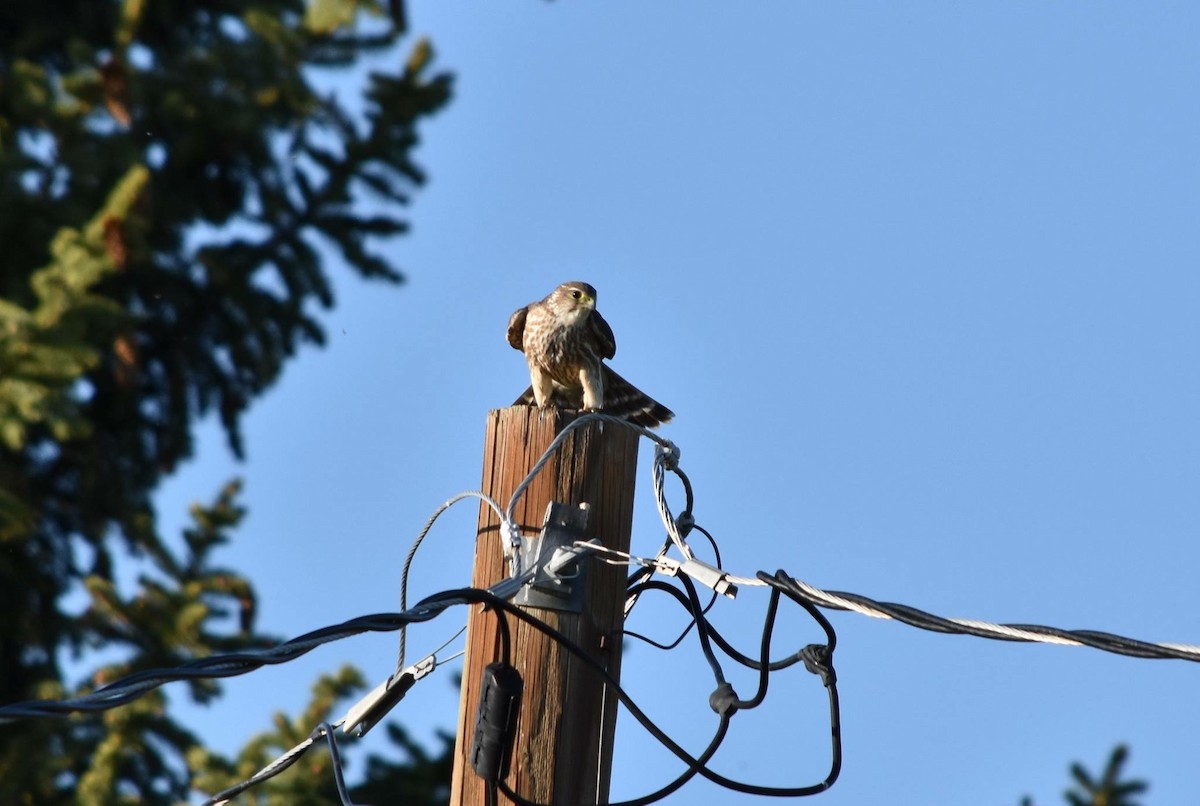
(365, 713)
(708, 575)
(560, 579)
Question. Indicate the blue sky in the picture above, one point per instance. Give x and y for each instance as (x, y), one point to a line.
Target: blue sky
(921, 281)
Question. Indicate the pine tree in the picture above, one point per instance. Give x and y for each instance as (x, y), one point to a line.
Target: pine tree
(167, 171)
(1109, 789)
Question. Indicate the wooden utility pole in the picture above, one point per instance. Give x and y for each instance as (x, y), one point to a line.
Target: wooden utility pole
(562, 749)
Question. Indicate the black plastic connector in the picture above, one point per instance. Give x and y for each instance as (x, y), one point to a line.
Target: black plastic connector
(499, 704)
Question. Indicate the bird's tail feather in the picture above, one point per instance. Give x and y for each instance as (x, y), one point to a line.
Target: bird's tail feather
(621, 399)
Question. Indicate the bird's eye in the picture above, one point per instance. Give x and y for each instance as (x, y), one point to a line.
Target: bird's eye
(575, 294)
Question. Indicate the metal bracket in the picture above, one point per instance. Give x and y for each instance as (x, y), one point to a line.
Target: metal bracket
(560, 580)
(365, 713)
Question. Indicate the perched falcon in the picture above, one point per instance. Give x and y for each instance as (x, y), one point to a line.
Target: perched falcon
(565, 340)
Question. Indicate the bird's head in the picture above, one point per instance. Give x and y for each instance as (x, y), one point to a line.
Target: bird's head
(575, 300)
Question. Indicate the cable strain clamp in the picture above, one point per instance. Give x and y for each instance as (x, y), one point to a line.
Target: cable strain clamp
(510, 539)
(668, 454)
(367, 712)
(710, 576)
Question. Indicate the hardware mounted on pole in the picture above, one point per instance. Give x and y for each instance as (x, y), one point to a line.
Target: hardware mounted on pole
(561, 749)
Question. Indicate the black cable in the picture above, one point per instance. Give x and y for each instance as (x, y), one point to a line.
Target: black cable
(712, 541)
(695, 766)
(754, 663)
(286, 761)
(725, 709)
(130, 687)
(702, 629)
(240, 663)
(714, 633)
(324, 729)
(635, 586)
(788, 586)
(723, 700)
(835, 766)
(505, 637)
(685, 523)
(818, 659)
(638, 589)
(339, 779)
(486, 597)
(764, 653)
(688, 499)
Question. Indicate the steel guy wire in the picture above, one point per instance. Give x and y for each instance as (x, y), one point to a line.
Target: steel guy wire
(290, 757)
(287, 759)
(412, 553)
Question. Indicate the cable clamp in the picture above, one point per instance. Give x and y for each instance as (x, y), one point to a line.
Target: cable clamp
(817, 659)
(367, 712)
(564, 558)
(667, 566)
(707, 575)
(510, 539)
(667, 454)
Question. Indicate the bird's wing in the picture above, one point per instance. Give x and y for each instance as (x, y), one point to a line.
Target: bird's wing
(516, 328)
(604, 335)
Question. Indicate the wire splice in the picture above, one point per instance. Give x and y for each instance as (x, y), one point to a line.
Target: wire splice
(816, 660)
(723, 700)
(499, 704)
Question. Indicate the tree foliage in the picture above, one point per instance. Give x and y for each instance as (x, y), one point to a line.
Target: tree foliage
(1110, 788)
(170, 178)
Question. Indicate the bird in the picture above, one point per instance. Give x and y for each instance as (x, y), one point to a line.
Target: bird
(565, 341)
